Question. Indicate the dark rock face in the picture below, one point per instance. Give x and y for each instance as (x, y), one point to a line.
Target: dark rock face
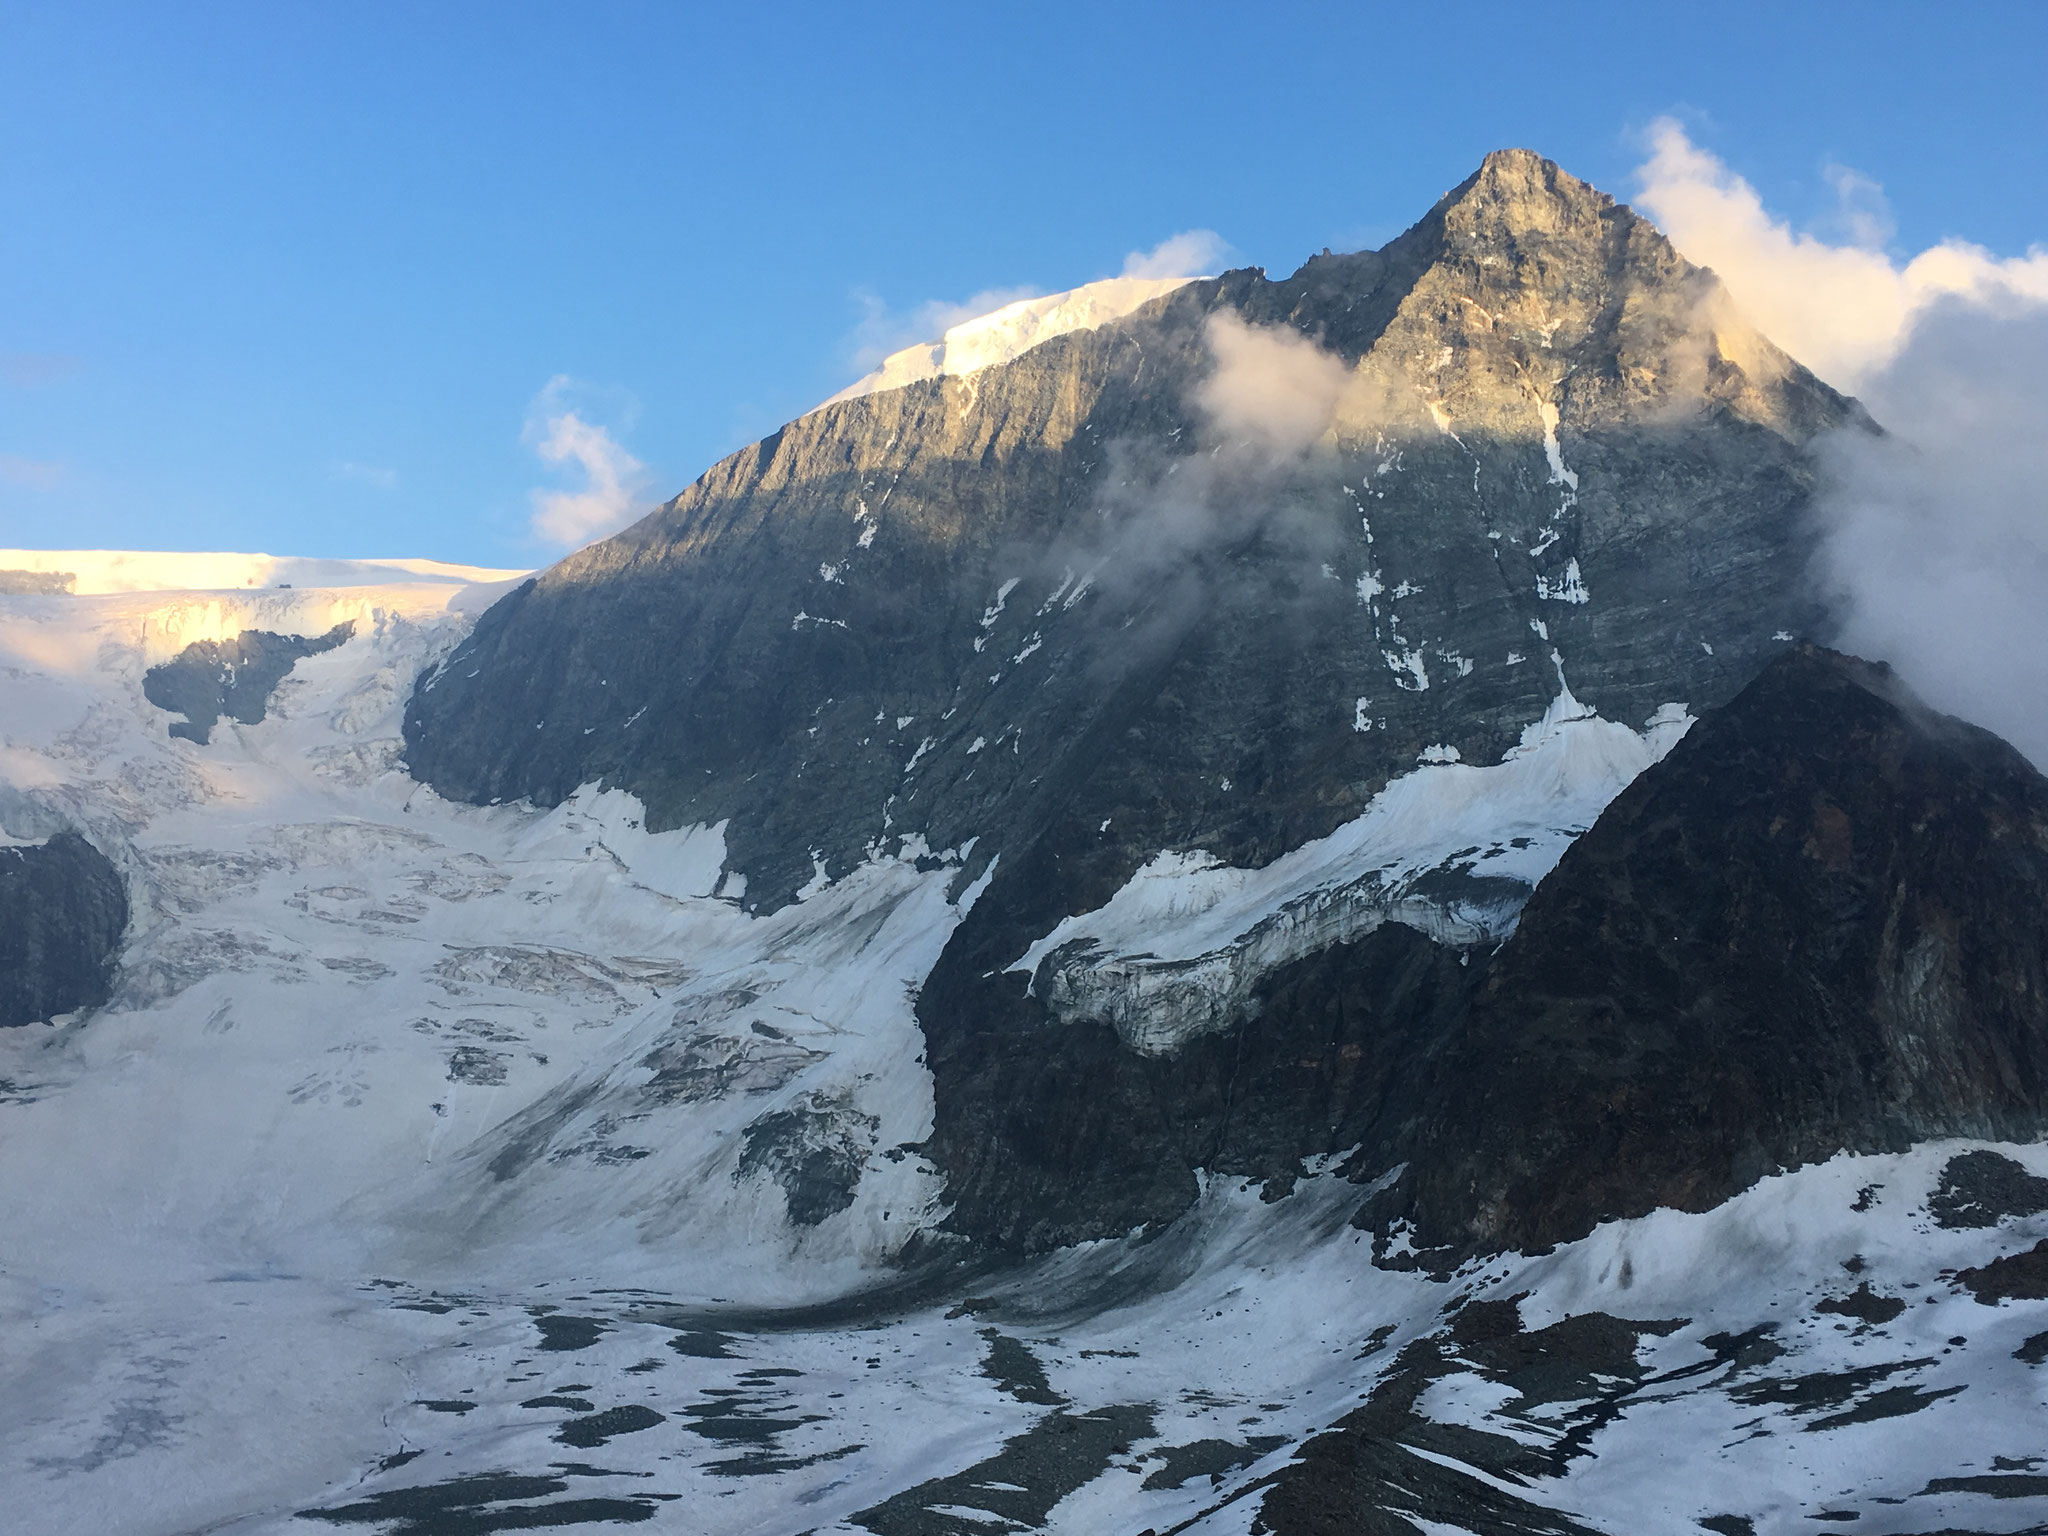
(63, 909)
(1051, 1133)
(1817, 925)
(1056, 607)
(211, 678)
(816, 1150)
(1820, 924)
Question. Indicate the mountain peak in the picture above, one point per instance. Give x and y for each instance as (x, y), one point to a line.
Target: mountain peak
(1517, 196)
(1519, 186)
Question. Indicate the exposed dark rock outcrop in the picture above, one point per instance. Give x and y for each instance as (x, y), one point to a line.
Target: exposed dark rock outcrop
(1820, 924)
(37, 583)
(63, 909)
(2015, 1277)
(1385, 1461)
(1051, 1133)
(211, 678)
(1981, 1189)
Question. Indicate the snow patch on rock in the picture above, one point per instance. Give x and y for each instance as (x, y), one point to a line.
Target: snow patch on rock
(1450, 848)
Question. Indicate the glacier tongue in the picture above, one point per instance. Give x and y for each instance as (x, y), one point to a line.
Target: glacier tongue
(1449, 848)
(1798, 1352)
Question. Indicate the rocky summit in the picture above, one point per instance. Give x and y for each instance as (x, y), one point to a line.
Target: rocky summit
(1217, 906)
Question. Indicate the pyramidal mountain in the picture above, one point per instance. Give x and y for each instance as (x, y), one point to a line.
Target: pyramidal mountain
(1213, 905)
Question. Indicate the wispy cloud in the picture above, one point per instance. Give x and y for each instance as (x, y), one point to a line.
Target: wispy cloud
(26, 370)
(1265, 410)
(368, 474)
(1191, 253)
(1841, 307)
(34, 474)
(614, 481)
(1934, 534)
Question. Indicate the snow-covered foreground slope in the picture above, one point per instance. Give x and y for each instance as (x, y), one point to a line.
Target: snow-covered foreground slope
(441, 1168)
(1660, 1373)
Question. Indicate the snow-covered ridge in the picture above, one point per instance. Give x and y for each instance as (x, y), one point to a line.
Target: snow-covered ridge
(1450, 848)
(130, 570)
(1011, 331)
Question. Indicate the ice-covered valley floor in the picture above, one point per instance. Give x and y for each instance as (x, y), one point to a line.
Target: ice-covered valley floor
(439, 1169)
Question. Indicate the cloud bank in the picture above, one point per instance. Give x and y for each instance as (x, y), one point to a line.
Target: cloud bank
(614, 481)
(1844, 309)
(1934, 534)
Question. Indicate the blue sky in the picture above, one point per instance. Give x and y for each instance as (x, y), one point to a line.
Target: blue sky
(293, 277)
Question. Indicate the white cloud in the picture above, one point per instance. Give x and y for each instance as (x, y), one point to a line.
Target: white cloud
(1934, 533)
(614, 481)
(1272, 389)
(1191, 253)
(1843, 309)
(1266, 407)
